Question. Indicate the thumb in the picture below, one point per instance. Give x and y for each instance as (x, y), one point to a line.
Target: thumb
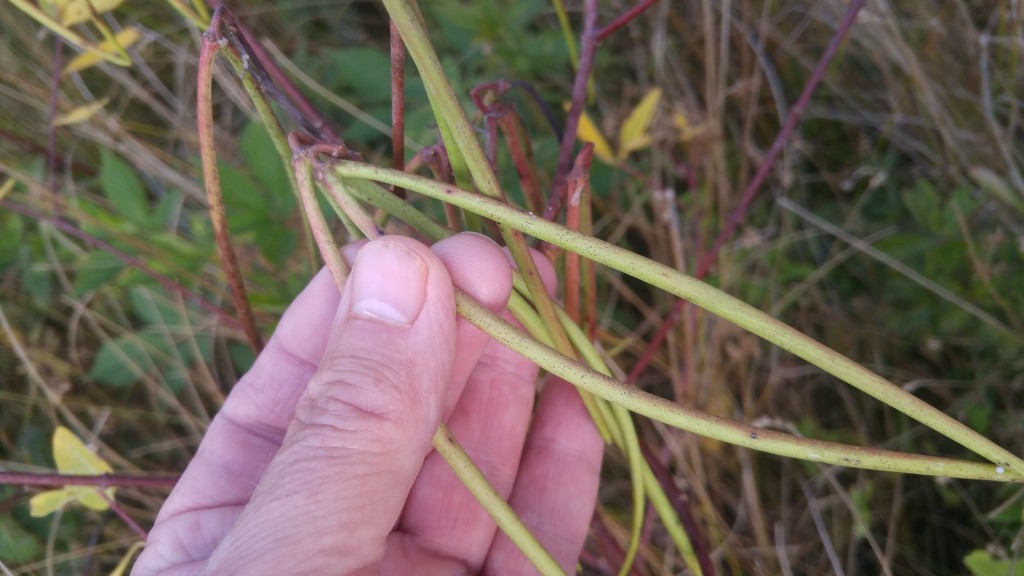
(363, 426)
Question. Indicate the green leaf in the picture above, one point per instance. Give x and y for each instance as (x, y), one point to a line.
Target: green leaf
(979, 416)
(37, 283)
(166, 207)
(922, 201)
(153, 309)
(278, 244)
(121, 362)
(982, 563)
(363, 72)
(246, 202)
(122, 186)
(961, 201)
(262, 159)
(861, 497)
(12, 226)
(98, 269)
(17, 545)
(241, 356)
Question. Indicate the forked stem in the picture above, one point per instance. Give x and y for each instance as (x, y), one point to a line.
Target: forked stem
(1007, 466)
(444, 442)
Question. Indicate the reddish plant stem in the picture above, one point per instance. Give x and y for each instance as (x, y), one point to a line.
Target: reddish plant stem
(124, 516)
(681, 504)
(497, 115)
(521, 151)
(211, 180)
(397, 103)
(578, 181)
(491, 140)
(128, 260)
(549, 115)
(56, 480)
(796, 111)
(435, 158)
(611, 552)
(626, 18)
(484, 95)
(737, 215)
(588, 46)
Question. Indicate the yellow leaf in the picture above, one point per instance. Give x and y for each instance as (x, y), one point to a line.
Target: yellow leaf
(78, 11)
(634, 133)
(686, 130)
(124, 38)
(91, 498)
(81, 113)
(73, 457)
(52, 7)
(122, 566)
(48, 502)
(7, 187)
(588, 132)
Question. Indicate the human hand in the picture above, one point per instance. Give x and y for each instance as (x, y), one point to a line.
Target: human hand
(320, 460)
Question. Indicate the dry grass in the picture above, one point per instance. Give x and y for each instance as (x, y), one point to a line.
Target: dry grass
(926, 91)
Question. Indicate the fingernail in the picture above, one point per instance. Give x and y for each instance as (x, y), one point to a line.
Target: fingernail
(389, 283)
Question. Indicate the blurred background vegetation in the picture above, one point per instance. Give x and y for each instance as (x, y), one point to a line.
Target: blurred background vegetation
(899, 199)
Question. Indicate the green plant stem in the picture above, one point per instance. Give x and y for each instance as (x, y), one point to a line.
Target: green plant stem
(348, 209)
(449, 449)
(613, 423)
(457, 131)
(671, 521)
(375, 194)
(444, 442)
(566, 27)
(715, 427)
(599, 409)
(462, 146)
(744, 316)
(303, 167)
(277, 137)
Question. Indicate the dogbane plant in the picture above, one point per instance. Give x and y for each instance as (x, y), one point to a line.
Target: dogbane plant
(553, 340)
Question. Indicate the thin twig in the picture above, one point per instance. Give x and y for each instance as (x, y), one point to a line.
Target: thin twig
(124, 516)
(627, 17)
(578, 182)
(56, 480)
(521, 152)
(737, 215)
(211, 179)
(549, 115)
(397, 102)
(681, 503)
(588, 46)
